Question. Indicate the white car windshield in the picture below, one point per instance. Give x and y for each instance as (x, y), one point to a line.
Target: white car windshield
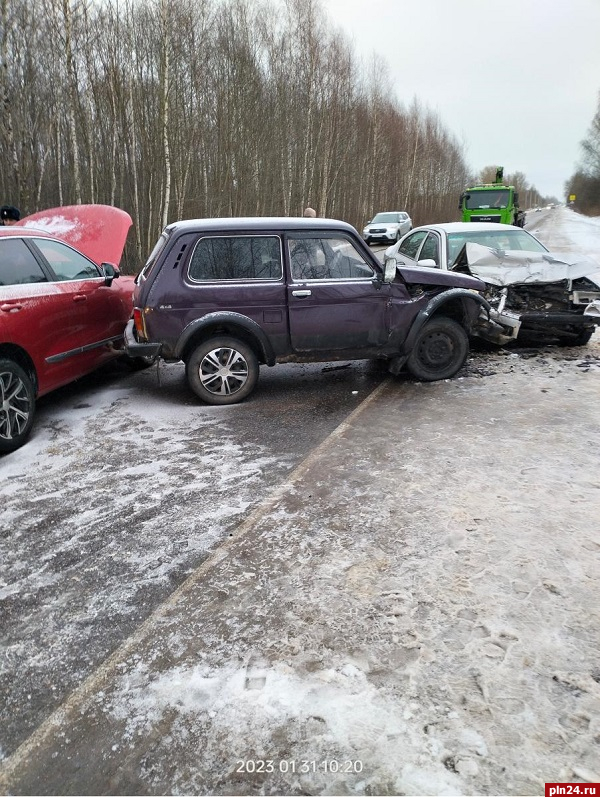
(386, 218)
(502, 238)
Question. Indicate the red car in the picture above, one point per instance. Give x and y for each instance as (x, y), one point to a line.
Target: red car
(62, 314)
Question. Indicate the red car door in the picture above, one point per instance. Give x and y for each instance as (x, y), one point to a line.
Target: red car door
(35, 314)
(99, 309)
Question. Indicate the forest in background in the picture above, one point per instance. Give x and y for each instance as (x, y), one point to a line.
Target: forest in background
(176, 109)
(585, 183)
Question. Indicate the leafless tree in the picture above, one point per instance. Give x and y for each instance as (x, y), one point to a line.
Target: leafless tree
(176, 108)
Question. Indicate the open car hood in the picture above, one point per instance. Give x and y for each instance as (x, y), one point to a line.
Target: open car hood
(503, 267)
(98, 231)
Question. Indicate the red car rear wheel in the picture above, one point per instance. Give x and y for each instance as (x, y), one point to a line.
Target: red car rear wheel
(17, 405)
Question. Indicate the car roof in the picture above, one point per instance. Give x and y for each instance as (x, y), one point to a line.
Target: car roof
(20, 232)
(468, 226)
(259, 223)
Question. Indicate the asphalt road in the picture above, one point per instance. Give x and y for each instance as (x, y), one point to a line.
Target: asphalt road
(415, 590)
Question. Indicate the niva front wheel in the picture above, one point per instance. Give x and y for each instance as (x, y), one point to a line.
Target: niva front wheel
(440, 350)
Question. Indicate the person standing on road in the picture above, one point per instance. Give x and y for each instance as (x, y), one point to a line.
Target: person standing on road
(309, 213)
(9, 215)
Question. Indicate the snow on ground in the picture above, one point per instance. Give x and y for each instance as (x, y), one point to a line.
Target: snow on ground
(562, 229)
(416, 608)
(108, 506)
(431, 619)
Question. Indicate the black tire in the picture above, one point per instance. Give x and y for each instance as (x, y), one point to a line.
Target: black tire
(222, 370)
(440, 350)
(17, 406)
(580, 339)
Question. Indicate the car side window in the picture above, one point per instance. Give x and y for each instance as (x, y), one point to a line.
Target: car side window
(66, 263)
(326, 258)
(18, 266)
(431, 249)
(236, 257)
(411, 245)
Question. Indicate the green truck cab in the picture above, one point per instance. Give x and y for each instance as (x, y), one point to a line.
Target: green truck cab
(492, 202)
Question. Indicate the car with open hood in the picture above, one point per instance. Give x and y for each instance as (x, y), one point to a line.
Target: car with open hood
(63, 305)
(227, 295)
(554, 297)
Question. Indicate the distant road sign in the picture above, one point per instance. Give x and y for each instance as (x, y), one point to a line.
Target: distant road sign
(572, 197)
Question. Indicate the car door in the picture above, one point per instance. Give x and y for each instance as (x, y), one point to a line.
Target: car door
(101, 305)
(408, 251)
(35, 314)
(430, 251)
(335, 301)
(96, 313)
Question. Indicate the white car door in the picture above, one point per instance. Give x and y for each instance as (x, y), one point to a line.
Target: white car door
(405, 252)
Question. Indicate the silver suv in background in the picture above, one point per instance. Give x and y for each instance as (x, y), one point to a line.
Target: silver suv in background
(387, 227)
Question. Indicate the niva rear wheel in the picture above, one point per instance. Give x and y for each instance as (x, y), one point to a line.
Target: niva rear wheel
(222, 370)
(440, 350)
(17, 406)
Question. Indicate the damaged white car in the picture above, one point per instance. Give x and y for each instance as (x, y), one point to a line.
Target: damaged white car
(531, 291)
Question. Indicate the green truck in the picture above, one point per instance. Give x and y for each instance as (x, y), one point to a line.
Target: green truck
(492, 202)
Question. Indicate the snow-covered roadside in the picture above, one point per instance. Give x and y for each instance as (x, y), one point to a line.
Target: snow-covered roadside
(107, 508)
(125, 486)
(564, 230)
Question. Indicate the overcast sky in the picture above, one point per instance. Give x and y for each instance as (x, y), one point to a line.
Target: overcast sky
(517, 82)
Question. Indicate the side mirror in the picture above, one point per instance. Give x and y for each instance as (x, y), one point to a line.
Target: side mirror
(110, 273)
(427, 263)
(389, 270)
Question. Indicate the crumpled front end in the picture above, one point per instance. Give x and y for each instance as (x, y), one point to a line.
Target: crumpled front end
(546, 294)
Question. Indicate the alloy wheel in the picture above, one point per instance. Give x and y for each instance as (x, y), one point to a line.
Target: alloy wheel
(15, 405)
(223, 371)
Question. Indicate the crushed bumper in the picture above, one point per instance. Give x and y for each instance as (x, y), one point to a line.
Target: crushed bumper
(136, 349)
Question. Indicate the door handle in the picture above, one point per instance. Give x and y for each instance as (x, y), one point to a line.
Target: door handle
(80, 297)
(301, 293)
(11, 308)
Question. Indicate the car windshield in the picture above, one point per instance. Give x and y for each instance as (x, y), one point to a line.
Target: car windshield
(502, 238)
(386, 218)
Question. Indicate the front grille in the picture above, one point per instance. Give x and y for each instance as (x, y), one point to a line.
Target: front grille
(486, 218)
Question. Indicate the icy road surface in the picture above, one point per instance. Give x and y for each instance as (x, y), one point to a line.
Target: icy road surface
(411, 609)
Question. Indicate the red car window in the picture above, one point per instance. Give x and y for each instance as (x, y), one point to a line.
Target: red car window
(17, 265)
(65, 262)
